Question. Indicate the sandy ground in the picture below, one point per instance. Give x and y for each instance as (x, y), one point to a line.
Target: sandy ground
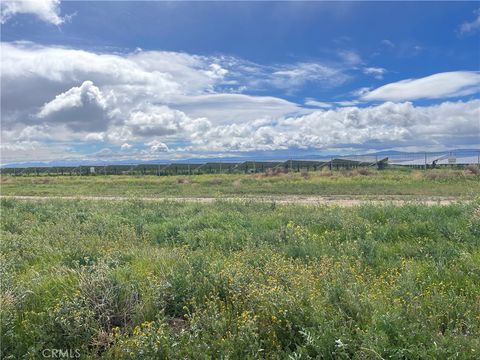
(344, 201)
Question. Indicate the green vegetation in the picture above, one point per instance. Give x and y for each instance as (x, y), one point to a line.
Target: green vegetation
(239, 280)
(444, 182)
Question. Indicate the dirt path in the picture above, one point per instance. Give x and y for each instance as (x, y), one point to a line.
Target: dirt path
(344, 201)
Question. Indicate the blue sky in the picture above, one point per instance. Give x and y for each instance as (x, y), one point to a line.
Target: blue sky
(165, 80)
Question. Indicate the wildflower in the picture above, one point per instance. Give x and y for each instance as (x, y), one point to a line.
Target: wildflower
(339, 344)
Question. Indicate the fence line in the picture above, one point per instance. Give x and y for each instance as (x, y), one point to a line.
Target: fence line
(413, 160)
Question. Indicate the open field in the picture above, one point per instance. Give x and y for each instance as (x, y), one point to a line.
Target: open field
(239, 180)
(404, 182)
(242, 266)
(239, 280)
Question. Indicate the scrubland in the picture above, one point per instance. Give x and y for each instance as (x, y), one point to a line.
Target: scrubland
(357, 182)
(240, 280)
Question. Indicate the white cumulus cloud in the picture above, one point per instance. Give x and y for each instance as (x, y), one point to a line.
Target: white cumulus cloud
(82, 108)
(45, 10)
(74, 98)
(157, 146)
(448, 124)
(155, 104)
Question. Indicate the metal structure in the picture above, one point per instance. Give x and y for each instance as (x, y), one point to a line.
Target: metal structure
(415, 160)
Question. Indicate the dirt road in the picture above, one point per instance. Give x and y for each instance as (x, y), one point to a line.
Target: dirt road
(344, 201)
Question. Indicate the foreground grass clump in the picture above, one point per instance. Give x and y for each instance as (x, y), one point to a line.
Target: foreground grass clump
(364, 181)
(240, 280)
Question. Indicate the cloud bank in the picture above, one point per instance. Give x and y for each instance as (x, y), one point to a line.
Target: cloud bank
(57, 102)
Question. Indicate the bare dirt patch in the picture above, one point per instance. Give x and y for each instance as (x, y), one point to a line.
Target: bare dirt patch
(343, 201)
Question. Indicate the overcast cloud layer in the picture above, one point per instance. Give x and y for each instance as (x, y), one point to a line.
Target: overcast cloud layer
(154, 104)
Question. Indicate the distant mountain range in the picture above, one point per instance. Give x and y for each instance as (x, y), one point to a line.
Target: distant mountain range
(259, 157)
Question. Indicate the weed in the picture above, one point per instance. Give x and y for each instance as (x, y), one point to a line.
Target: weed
(239, 280)
(276, 171)
(277, 181)
(444, 175)
(183, 180)
(215, 181)
(473, 169)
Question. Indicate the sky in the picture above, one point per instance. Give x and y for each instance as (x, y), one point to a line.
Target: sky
(140, 80)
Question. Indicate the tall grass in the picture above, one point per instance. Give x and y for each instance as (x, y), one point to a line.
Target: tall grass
(240, 280)
(438, 182)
